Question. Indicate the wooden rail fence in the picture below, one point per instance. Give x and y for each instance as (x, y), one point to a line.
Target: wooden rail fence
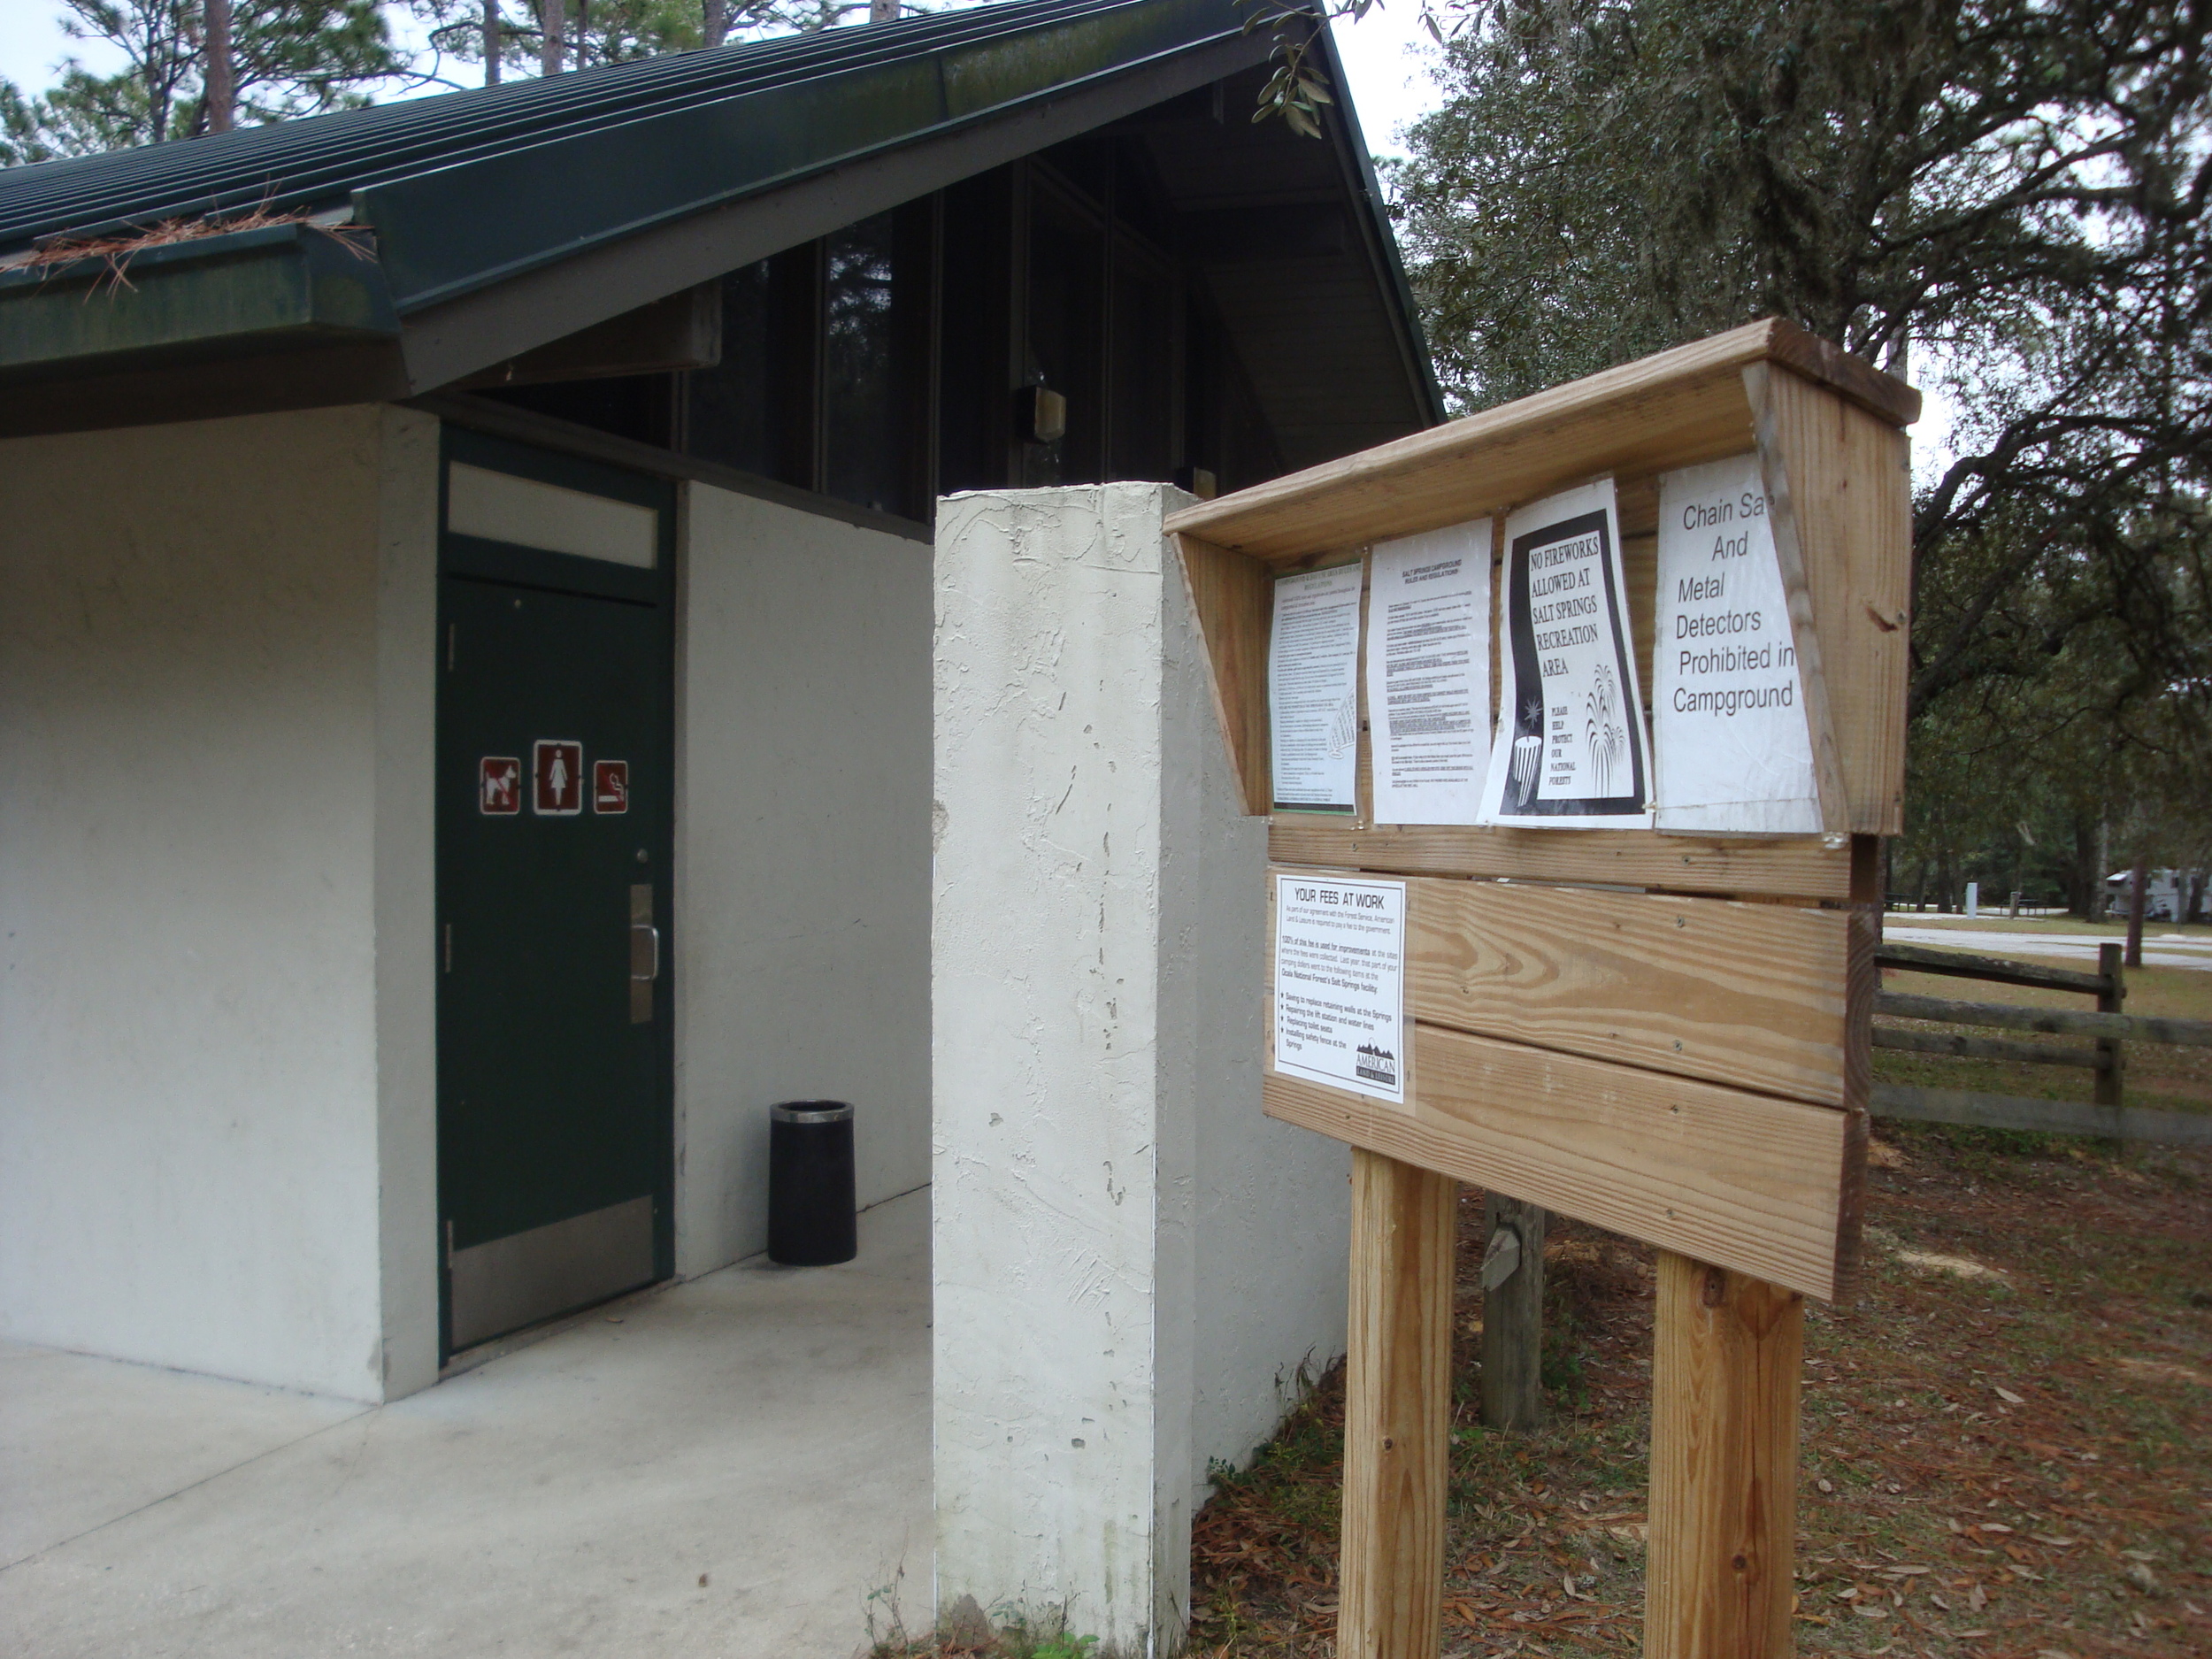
(2108, 1028)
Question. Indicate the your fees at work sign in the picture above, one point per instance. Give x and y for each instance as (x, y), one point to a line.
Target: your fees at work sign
(1339, 984)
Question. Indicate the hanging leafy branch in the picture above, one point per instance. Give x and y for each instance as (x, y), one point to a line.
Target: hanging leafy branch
(1298, 88)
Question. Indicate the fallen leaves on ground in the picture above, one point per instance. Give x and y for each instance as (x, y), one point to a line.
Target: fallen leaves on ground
(2008, 1464)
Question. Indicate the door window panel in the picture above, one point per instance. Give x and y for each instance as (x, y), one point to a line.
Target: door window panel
(1067, 268)
(1143, 370)
(867, 434)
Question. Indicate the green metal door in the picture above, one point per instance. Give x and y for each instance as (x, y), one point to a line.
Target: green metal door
(554, 814)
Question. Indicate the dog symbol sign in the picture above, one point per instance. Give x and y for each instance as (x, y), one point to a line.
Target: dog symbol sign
(557, 774)
(499, 785)
(610, 786)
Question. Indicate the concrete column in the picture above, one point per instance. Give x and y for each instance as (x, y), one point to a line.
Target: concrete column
(1131, 1262)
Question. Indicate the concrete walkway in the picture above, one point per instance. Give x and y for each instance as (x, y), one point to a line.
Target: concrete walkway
(730, 1467)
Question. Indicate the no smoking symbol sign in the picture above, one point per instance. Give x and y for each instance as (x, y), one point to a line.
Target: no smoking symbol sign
(610, 786)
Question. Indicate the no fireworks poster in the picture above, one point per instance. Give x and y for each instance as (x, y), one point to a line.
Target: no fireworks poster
(1571, 748)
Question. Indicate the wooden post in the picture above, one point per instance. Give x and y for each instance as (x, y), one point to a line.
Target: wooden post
(2111, 1076)
(1397, 1410)
(1512, 1313)
(2138, 897)
(1726, 1362)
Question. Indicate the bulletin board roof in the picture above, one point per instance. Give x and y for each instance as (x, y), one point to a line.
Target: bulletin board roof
(1674, 410)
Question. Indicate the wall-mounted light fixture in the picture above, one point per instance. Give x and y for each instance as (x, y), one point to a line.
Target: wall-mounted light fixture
(1040, 414)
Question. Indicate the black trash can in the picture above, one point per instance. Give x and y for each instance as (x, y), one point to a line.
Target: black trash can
(813, 1220)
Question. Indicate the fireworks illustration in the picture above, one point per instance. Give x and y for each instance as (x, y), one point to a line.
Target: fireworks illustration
(1527, 755)
(1602, 732)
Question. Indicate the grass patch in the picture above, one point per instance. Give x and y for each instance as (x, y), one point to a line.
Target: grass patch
(2156, 1075)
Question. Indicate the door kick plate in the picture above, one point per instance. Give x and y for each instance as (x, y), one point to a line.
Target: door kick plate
(526, 1276)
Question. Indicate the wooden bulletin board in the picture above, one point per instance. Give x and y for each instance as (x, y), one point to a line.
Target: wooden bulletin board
(1666, 1036)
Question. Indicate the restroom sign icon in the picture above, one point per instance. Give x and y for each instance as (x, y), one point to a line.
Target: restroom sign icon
(499, 785)
(556, 778)
(610, 786)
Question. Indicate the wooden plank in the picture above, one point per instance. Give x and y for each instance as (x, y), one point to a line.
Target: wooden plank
(2063, 1022)
(1513, 1315)
(1860, 979)
(1726, 1355)
(1849, 488)
(1827, 364)
(1995, 970)
(1961, 1046)
(1234, 599)
(2040, 1116)
(1800, 868)
(1639, 569)
(1748, 994)
(1746, 1180)
(1674, 410)
(1778, 461)
(1397, 1410)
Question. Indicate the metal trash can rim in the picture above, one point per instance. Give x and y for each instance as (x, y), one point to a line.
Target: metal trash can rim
(811, 1111)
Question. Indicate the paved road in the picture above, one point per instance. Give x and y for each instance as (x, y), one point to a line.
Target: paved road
(2184, 951)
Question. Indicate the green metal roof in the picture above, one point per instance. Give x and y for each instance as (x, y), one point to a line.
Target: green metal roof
(469, 188)
(481, 197)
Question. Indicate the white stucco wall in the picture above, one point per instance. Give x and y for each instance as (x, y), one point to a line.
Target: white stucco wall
(1130, 1260)
(215, 651)
(802, 945)
(1271, 1206)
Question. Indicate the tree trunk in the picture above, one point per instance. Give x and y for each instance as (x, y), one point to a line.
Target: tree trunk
(717, 22)
(222, 92)
(552, 36)
(491, 43)
(2101, 903)
(2138, 892)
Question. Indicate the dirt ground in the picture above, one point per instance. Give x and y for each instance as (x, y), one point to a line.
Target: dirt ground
(2007, 1441)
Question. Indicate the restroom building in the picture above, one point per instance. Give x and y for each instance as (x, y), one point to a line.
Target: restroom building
(465, 633)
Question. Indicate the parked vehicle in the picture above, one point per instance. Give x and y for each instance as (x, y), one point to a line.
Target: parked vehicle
(2163, 899)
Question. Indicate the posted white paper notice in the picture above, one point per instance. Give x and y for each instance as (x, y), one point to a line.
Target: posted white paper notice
(1570, 750)
(1340, 983)
(1734, 750)
(1313, 690)
(1428, 674)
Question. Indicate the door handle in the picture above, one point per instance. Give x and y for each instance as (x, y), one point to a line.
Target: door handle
(645, 953)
